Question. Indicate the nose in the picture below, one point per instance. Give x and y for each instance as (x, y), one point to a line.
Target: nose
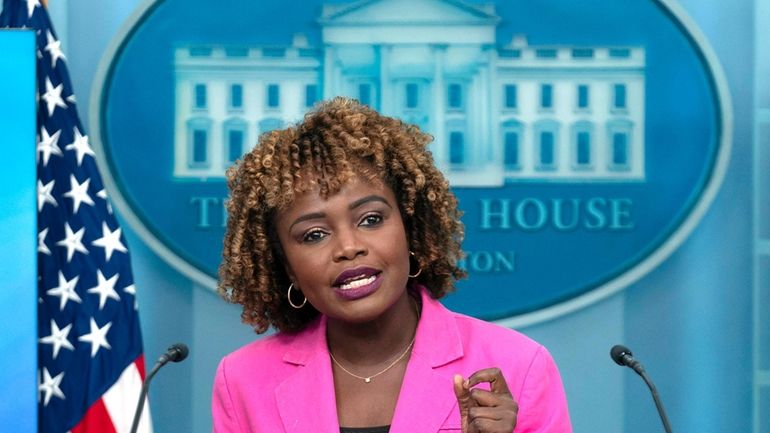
(348, 245)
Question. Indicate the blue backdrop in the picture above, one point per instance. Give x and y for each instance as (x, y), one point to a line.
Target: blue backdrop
(18, 228)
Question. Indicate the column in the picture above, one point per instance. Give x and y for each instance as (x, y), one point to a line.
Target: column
(328, 72)
(440, 145)
(386, 91)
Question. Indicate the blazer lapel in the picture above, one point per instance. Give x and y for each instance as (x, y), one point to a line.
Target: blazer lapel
(306, 399)
(426, 399)
(427, 396)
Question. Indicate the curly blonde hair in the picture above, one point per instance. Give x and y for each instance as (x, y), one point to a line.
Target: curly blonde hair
(338, 140)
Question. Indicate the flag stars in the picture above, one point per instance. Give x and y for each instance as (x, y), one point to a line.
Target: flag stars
(48, 145)
(31, 5)
(97, 337)
(59, 338)
(45, 194)
(72, 241)
(103, 195)
(52, 96)
(54, 49)
(105, 288)
(110, 241)
(80, 146)
(50, 386)
(41, 246)
(79, 193)
(131, 290)
(65, 291)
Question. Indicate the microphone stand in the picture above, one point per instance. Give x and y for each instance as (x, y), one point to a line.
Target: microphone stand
(622, 356)
(143, 395)
(656, 398)
(176, 353)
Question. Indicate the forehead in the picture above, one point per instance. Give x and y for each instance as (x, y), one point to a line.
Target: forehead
(357, 187)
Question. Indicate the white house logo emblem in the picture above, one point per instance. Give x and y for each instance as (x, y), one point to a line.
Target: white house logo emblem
(581, 154)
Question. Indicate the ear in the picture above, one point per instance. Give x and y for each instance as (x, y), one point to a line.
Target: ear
(280, 256)
(288, 270)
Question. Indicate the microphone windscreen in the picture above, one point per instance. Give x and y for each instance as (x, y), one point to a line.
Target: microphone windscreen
(178, 352)
(617, 352)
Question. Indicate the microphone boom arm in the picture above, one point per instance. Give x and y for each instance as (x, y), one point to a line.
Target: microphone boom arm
(176, 353)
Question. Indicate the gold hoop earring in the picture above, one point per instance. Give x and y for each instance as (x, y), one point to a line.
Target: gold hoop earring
(419, 271)
(288, 296)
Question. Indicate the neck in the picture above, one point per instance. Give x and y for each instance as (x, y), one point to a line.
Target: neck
(374, 342)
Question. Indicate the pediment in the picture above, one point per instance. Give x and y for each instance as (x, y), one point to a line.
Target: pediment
(428, 12)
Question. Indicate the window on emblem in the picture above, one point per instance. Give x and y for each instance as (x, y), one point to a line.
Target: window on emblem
(511, 147)
(200, 96)
(236, 96)
(198, 143)
(455, 96)
(456, 147)
(619, 96)
(200, 147)
(234, 144)
(582, 96)
(620, 150)
(510, 98)
(412, 95)
(365, 94)
(311, 95)
(547, 157)
(273, 96)
(583, 148)
(546, 96)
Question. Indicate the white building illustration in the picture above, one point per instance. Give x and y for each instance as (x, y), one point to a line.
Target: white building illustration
(499, 113)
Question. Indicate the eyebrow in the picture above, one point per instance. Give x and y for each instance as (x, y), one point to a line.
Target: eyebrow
(367, 199)
(358, 203)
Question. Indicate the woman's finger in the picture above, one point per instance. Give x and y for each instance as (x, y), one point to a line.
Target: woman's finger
(494, 377)
(482, 397)
(462, 392)
(492, 413)
(464, 401)
(483, 425)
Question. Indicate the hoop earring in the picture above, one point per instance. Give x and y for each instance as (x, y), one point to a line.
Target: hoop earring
(288, 296)
(419, 271)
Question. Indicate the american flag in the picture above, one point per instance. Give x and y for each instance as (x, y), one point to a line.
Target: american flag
(90, 361)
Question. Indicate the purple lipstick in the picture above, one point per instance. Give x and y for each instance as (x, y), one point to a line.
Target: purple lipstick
(357, 283)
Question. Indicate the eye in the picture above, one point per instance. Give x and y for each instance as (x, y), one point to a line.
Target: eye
(372, 219)
(313, 236)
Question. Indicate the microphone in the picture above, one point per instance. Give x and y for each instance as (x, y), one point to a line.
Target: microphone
(175, 353)
(623, 356)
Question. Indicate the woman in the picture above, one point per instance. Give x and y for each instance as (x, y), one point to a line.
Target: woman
(342, 235)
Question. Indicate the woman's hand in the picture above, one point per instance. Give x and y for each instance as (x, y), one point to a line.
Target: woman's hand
(483, 411)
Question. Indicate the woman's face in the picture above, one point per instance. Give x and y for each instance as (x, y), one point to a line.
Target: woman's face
(348, 254)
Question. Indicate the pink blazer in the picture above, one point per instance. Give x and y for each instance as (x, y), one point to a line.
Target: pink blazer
(283, 383)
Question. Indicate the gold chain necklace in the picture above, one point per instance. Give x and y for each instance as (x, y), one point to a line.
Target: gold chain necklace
(369, 378)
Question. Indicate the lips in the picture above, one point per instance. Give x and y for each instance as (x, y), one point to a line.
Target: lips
(356, 277)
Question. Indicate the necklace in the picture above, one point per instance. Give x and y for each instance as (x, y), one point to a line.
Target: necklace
(368, 379)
